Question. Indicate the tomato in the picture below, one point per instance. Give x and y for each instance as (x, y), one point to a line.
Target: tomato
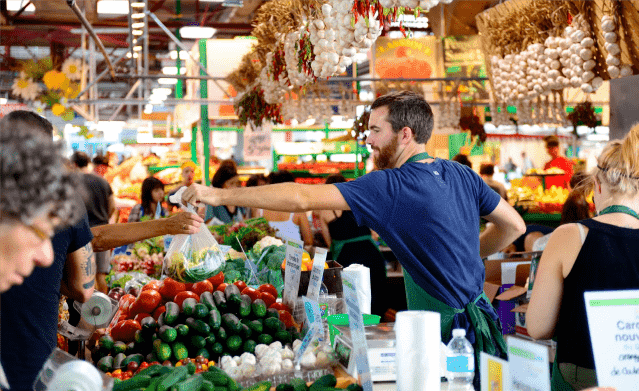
(180, 297)
(158, 311)
(140, 316)
(125, 330)
(279, 306)
(240, 284)
(268, 288)
(217, 279)
(268, 299)
(154, 363)
(133, 366)
(254, 294)
(128, 374)
(189, 286)
(202, 286)
(147, 302)
(143, 366)
(287, 318)
(154, 284)
(221, 287)
(169, 288)
(126, 301)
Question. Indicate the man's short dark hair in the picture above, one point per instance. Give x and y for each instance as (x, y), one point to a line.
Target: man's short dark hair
(80, 159)
(280, 177)
(551, 141)
(408, 109)
(101, 160)
(487, 169)
(28, 119)
(463, 159)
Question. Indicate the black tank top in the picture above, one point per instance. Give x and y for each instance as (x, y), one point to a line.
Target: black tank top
(608, 260)
(345, 227)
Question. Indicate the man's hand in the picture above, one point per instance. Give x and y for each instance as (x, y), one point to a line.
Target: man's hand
(183, 223)
(195, 194)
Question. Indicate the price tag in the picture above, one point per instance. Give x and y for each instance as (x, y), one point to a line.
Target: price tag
(315, 326)
(529, 365)
(358, 335)
(317, 274)
(294, 252)
(495, 375)
(613, 320)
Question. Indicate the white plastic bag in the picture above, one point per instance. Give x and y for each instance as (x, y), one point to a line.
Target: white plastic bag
(192, 258)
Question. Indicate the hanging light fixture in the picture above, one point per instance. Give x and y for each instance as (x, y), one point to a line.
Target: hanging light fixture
(197, 32)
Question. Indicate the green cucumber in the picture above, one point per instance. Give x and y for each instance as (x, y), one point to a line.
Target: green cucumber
(162, 350)
(210, 339)
(118, 359)
(325, 381)
(265, 339)
(234, 343)
(191, 367)
(118, 347)
(245, 306)
(354, 387)
(188, 306)
(167, 334)
(222, 334)
(182, 330)
(176, 376)
(231, 290)
(105, 364)
(256, 326)
(258, 308)
(217, 349)
(216, 376)
(249, 346)
(179, 351)
(231, 323)
(133, 383)
(172, 313)
(204, 352)
(215, 319)
(261, 386)
(272, 313)
(284, 387)
(233, 300)
(272, 325)
(136, 357)
(162, 319)
(140, 337)
(245, 331)
(106, 343)
(299, 384)
(206, 298)
(199, 326)
(193, 383)
(198, 341)
(207, 385)
(220, 301)
(200, 311)
(283, 336)
(153, 371)
(149, 324)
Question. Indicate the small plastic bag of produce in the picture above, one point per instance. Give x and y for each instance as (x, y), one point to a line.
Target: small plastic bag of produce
(192, 258)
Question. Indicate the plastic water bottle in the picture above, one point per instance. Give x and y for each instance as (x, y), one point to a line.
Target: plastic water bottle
(460, 362)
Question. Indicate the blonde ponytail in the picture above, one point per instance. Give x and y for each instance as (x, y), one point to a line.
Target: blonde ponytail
(618, 164)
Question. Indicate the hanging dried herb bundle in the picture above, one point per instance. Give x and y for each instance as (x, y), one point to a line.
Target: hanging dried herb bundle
(361, 124)
(305, 53)
(471, 123)
(252, 107)
(584, 114)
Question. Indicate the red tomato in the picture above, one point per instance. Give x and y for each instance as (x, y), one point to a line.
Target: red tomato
(125, 330)
(147, 302)
(126, 301)
(254, 294)
(279, 306)
(268, 288)
(154, 284)
(143, 366)
(287, 318)
(140, 316)
(221, 287)
(269, 300)
(128, 374)
(158, 311)
(180, 297)
(189, 286)
(240, 284)
(202, 286)
(217, 279)
(169, 288)
(133, 366)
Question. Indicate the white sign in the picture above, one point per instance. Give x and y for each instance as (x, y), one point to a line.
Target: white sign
(529, 365)
(495, 375)
(613, 320)
(294, 252)
(257, 142)
(317, 274)
(358, 335)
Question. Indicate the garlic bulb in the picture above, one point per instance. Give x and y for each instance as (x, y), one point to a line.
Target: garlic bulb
(588, 42)
(612, 48)
(587, 76)
(610, 37)
(596, 83)
(586, 88)
(608, 26)
(585, 54)
(589, 65)
(612, 60)
(613, 71)
(626, 70)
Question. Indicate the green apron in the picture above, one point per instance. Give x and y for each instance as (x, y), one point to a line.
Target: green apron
(338, 245)
(486, 330)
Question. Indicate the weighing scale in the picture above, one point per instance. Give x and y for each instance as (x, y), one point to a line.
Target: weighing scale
(381, 351)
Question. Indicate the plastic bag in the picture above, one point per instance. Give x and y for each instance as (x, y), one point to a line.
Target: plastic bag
(192, 258)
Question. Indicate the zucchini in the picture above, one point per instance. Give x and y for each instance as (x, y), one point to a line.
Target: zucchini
(206, 298)
(199, 326)
(177, 375)
(133, 383)
(234, 343)
(188, 306)
(105, 364)
(258, 308)
(167, 334)
(193, 383)
(215, 319)
(200, 311)
(198, 341)
(220, 301)
(231, 323)
(172, 313)
(245, 306)
(179, 351)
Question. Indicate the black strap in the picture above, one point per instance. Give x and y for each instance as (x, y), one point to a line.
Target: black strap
(619, 209)
(418, 157)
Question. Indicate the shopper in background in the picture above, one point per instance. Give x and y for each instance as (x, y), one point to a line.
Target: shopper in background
(288, 225)
(351, 243)
(463, 159)
(152, 195)
(597, 254)
(225, 177)
(188, 174)
(487, 170)
(100, 164)
(552, 147)
(426, 209)
(256, 180)
(526, 163)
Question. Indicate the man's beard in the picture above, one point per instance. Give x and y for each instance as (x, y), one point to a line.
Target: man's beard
(386, 154)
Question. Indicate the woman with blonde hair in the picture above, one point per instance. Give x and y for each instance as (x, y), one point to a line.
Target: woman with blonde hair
(597, 254)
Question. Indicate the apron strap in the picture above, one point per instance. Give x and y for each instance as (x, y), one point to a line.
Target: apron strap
(338, 245)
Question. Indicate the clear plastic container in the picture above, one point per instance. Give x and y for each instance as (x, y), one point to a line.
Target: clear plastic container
(460, 362)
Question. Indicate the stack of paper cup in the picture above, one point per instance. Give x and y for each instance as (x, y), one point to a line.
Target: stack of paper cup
(361, 276)
(417, 357)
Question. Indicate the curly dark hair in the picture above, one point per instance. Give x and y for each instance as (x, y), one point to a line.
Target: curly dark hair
(33, 178)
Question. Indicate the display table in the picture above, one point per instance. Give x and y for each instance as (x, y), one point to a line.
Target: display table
(392, 386)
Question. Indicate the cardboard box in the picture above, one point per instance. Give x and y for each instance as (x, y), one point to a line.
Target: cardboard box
(506, 281)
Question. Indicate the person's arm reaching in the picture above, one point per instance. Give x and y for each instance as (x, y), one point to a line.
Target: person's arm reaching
(79, 274)
(305, 229)
(507, 225)
(325, 232)
(106, 237)
(284, 197)
(111, 205)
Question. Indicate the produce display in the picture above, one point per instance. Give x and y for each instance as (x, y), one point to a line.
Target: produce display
(540, 200)
(243, 235)
(145, 257)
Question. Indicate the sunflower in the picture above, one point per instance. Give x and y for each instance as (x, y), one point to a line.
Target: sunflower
(72, 67)
(26, 88)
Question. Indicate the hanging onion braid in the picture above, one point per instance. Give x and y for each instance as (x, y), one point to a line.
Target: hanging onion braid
(33, 177)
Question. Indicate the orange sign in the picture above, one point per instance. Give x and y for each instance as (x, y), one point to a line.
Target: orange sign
(416, 58)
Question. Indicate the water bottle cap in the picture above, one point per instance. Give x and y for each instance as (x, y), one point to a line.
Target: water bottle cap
(459, 333)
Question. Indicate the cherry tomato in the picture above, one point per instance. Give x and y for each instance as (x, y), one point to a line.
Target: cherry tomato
(221, 287)
(254, 294)
(143, 366)
(279, 306)
(269, 300)
(287, 318)
(268, 288)
(167, 363)
(154, 284)
(154, 363)
(133, 366)
(217, 279)
(180, 297)
(128, 374)
(202, 286)
(240, 284)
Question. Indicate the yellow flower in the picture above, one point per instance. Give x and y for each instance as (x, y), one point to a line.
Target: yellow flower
(54, 79)
(57, 109)
(72, 91)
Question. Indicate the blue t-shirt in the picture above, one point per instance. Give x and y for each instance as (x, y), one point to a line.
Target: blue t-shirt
(428, 214)
(29, 312)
